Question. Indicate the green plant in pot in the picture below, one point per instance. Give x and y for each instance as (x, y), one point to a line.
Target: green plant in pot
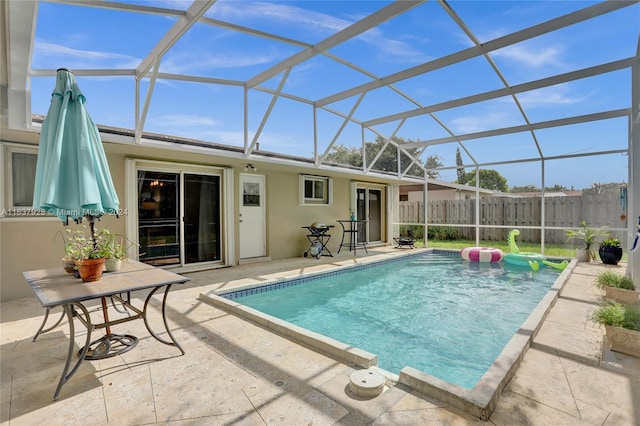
(68, 263)
(88, 252)
(610, 251)
(117, 246)
(617, 287)
(622, 324)
(588, 236)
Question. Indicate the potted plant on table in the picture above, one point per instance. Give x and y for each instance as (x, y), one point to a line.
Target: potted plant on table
(88, 253)
(617, 287)
(116, 250)
(610, 251)
(622, 325)
(68, 263)
(588, 236)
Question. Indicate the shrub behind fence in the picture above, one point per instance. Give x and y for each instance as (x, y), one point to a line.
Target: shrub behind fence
(565, 212)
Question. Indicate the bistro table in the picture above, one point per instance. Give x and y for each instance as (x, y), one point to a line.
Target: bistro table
(54, 287)
(351, 229)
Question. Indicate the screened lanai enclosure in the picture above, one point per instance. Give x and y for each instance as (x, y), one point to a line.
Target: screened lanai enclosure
(526, 114)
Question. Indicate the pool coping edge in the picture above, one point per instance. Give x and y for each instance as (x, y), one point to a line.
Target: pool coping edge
(348, 354)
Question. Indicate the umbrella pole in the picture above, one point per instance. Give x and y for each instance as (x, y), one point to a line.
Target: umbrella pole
(105, 315)
(110, 344)
(92, 228)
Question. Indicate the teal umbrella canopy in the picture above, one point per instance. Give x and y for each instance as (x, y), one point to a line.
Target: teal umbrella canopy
(72, 174)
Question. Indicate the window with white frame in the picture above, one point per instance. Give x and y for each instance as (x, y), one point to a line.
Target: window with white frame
(315, 190)
(20, 175)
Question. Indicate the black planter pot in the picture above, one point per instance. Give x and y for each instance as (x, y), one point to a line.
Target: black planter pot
(610, 255)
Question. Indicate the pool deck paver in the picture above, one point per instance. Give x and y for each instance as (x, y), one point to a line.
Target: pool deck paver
(237, 373)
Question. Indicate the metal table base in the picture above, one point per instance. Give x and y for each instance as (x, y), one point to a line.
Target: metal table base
(352, 229)
(126, 342)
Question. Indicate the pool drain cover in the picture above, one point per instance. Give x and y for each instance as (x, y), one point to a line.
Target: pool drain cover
(366, 383)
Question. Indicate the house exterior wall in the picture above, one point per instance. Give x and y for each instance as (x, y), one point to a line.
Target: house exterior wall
(30, 243)
(286, 217)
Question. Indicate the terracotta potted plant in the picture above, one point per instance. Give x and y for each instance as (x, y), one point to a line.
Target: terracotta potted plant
(622, 324)
(617, 287)
(610, 251)
(588, 237)
(88, 253)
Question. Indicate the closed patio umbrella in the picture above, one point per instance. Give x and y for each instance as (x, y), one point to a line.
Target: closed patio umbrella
(73, 180)
(72, 174)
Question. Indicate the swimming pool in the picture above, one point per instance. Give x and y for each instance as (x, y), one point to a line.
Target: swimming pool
(433, 312)
(480, 401)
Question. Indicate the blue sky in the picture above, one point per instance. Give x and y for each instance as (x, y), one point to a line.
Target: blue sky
(94, 38)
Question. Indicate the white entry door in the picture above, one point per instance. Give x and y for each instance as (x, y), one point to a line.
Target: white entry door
(252, 216)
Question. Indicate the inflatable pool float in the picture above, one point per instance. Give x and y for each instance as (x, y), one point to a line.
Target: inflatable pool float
(557, 265)
(522, 258)
(481, 254)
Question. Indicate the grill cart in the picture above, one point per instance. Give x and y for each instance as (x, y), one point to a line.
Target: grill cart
(318, 238)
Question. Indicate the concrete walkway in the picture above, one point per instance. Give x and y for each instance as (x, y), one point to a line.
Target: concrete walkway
(236, 373)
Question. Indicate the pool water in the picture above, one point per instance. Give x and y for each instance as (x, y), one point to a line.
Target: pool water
(436, 313)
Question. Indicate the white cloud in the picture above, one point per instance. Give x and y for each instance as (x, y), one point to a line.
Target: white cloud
(191, 62)
(314, 22)
(400, 51)
(234, 138)
(84, 58)
(183, 120)
(291, 15)
(548, 56)
(479, 123)
(557, 95)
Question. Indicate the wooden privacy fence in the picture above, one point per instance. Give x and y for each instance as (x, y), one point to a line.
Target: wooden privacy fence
(565, 212)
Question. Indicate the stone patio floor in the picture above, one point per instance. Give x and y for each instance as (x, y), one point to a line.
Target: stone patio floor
(237, 373)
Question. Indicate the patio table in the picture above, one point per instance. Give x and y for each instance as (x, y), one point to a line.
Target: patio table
(351, 229)
(54, 287)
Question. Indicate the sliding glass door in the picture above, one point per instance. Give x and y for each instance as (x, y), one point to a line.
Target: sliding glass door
(369, 206)
(178, 217)
(201, 218)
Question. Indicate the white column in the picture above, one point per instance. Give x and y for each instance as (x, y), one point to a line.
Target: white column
(633, 267)
(425, 201)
